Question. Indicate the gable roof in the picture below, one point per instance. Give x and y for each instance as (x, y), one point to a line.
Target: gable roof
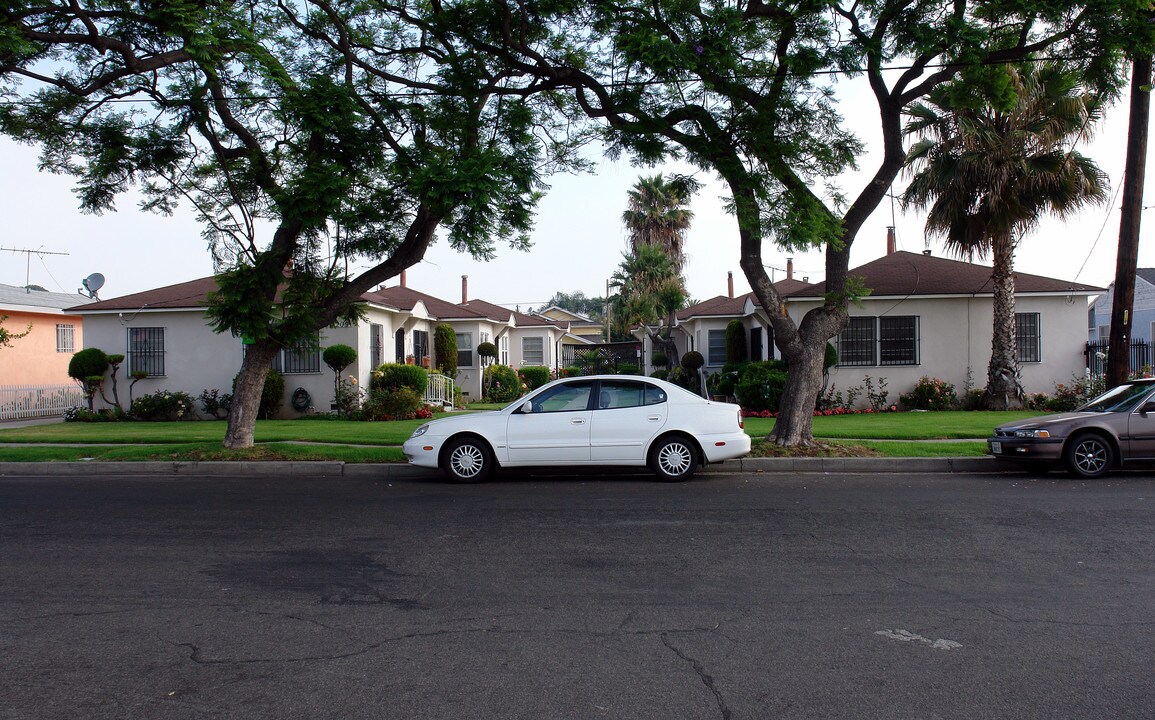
(905, 273)
(406, 298)
(12, 296)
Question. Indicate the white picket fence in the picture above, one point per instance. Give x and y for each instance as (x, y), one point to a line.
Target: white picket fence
(32, 401)
(440, 390)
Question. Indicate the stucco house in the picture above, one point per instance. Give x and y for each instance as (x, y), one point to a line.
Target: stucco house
(41, 357)
(925, 316)
(165, 333)
(34, 378)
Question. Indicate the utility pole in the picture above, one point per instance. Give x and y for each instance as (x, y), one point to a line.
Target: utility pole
(1119, 352)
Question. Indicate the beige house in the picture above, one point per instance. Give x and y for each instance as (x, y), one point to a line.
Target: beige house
(924, 316)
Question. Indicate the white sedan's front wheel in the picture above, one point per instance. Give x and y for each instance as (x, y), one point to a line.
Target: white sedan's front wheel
(467, 460)
(674, 458)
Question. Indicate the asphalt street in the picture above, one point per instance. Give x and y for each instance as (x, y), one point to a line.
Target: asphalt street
(737, 595)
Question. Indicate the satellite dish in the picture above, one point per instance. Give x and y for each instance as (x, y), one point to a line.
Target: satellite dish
(93, 283)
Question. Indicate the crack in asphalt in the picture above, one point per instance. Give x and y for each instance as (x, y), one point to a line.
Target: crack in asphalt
(706, 678)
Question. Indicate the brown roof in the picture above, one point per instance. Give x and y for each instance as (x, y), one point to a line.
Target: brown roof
(192, 294)
(723, 305)
(906, 273)
(406, 298)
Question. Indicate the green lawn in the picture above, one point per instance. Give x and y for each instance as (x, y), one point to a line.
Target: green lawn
(891, 435)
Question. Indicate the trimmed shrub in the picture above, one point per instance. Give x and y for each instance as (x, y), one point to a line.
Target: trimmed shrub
(930, 394)
(163, 405)
(487, 350)
(736, 342)
(272, 395)
(339, 357)
(659, 359)
(534, 376)
(87, 368)
(693, 361)
(395, 375)
(399, 403)
(445, 349)
(501, 384)
(760, 386)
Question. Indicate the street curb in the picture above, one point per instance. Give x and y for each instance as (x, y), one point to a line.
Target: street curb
(390, 471)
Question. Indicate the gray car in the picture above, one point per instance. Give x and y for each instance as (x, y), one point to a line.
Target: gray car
(1115, 428)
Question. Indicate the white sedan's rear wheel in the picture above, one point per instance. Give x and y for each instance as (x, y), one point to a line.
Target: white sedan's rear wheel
(674, 458)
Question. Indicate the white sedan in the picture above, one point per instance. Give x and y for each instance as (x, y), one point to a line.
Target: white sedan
(593, 420)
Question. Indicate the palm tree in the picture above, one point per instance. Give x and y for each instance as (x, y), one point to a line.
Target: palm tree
(988, 175)
(650, 291)
(656, 214)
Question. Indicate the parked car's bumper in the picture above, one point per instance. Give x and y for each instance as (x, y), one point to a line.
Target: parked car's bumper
(1026, 449)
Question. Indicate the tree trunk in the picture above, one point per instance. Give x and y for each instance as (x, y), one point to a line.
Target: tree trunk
(247, 394)
(795, 422)
(1004, 384)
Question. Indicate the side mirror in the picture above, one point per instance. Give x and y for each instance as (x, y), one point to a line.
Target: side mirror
(526, 408)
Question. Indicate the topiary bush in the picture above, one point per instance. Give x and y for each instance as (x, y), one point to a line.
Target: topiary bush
(693, 361)
(87, 368)
(534, 376)
(659, 359)
(760, 385)
(487, 350)
(395, 375)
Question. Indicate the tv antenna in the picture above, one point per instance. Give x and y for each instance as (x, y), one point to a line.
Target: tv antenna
(28, 261)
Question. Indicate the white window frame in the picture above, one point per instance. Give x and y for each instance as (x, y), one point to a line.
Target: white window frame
(536, 353)
(65, 338)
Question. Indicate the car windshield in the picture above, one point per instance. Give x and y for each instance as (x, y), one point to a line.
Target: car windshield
(1122, 398)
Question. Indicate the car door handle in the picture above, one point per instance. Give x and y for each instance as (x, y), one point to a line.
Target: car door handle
(654, 417)
(577, 421)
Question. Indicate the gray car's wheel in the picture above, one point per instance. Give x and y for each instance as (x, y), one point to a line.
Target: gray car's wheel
(674, 458)
(1089, 455)
(467, 460)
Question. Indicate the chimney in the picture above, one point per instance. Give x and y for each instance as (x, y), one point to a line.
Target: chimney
(403, 279)
(890, 245)
(464, 289)
(789, 268)
(730, 283)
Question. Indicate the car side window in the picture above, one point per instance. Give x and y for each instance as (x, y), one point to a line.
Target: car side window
(564, 398)
(614, 394)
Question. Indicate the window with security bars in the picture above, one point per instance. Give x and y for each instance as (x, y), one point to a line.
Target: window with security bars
(299, 359)
(65, 338)
(1028, 338)
(146, 351)
(898, 340)
(858, 342)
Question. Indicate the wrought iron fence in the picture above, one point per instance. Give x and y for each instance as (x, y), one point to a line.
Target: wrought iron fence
(31, 401)
(602, 356)
(1096, 356)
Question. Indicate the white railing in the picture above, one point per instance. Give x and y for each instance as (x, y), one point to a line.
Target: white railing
(31, 401)
(440, 390)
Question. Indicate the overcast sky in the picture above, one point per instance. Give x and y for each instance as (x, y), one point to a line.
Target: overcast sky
(578, 239)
